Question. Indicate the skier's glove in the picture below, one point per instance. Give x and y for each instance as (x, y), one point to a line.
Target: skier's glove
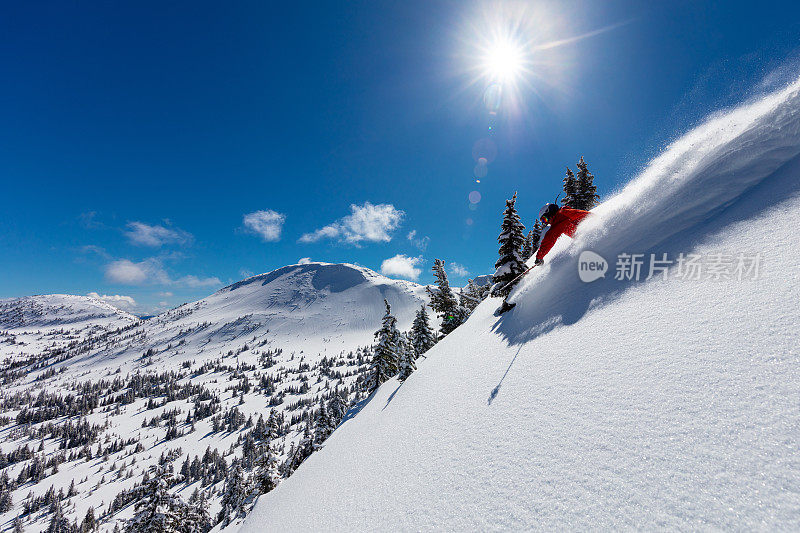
(538, 262)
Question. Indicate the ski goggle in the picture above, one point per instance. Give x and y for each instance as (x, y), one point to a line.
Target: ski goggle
(545, 220)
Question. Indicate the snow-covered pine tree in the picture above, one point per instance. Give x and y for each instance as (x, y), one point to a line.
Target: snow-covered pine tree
(406, 364)
(444, 302)
(194, 515)
(384, 358)
(337, 406)
(586, 192)
(422, 335)
(510, 264)
(527, 246)
(304, 449)
(537, 235)
(158, 510)
(531, 243)
(323, 425)
(6, 502)
(273, 426)
(267, 473)
(570, 189)
(234, 496)
(473, 295)
(89, 521)
(58, 522)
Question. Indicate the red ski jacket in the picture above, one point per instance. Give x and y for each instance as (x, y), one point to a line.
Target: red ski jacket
(565, 221)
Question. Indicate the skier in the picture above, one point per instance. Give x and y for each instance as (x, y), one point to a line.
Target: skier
(562, 220)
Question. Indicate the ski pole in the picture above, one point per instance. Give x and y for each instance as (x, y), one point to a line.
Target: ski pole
(507, 285)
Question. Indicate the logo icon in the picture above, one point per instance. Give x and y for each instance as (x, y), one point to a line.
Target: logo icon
(591, 266)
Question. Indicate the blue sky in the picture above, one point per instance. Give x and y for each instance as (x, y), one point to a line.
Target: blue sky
(155, 151)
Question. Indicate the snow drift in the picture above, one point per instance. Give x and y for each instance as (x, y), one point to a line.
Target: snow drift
(654, 404)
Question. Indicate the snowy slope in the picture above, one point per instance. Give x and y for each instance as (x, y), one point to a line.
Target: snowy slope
(313, 309)
(662, 404)
(59, 310)
(39, 327)
(301, 304)
(286, 341)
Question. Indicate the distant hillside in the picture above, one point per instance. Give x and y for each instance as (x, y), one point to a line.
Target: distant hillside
(95, 396)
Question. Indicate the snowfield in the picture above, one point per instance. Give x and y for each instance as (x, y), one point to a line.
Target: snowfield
(188, 389)
(620, 404)
(52, 311)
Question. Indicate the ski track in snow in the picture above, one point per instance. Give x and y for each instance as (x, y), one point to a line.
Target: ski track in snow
(666, 404)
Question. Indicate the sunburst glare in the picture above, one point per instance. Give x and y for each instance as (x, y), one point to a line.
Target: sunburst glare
(504, 61)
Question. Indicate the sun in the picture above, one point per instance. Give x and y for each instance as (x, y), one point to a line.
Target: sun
(504, 61)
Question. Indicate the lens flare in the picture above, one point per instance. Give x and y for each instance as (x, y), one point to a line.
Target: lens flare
(481, 169)
(491, 98)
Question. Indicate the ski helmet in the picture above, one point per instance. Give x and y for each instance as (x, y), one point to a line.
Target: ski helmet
(547, 213)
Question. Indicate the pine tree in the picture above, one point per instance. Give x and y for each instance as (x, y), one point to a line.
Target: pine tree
(531, 243)
(570, 189)
(6, 503)
(194, 515)
(58, 522)
(527, 246)
(384, 358)
(586, 192)
(267, 473)
(536, 235)
(422, 335)
(337, 407)
(323, 425)
(510, 264)
(444, 302)
(89, 522)
(18, 525)
(273, 426)
(234, 496)
(473, 295)
(158, 510)
(406, 364)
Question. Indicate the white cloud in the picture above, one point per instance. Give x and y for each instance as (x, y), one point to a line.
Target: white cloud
(304, 261)
(267, 224)
(142, 234)
(165, 294)
(195, 282)
(245, 273)
(126, 303)
(370, 223)
(421, 243)
(402, 266)
(127, 272)
(150, 271)
(459, 270)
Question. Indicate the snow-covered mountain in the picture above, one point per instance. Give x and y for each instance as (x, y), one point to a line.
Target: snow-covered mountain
(59, 311)
(314, 309)
(664, 403)
(97, 397)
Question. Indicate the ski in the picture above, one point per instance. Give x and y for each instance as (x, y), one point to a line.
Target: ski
(507, 306)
